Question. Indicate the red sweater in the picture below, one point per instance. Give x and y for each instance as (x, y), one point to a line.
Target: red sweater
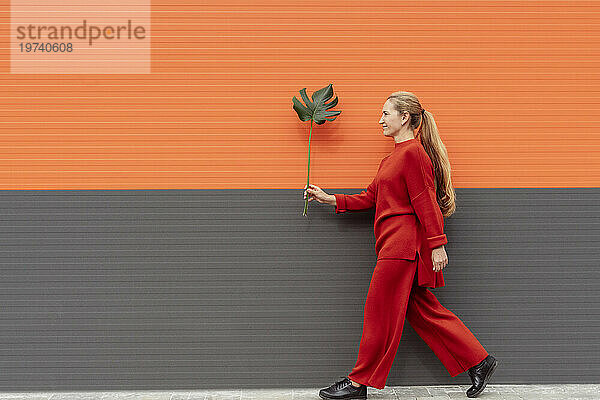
(408, 220)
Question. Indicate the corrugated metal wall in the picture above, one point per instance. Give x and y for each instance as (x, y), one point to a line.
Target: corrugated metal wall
(512, 85)
(229, 288)
(152, 234)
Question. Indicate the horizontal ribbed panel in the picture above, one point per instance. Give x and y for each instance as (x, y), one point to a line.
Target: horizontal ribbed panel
(104, 290)
(512, 85)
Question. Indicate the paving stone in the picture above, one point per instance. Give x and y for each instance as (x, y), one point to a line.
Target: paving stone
(267, 394)
(216, 395)
(83, 396)
(544, 396)
(541, 389)
(458, 395)
(132, 395)
(443, 390)
(180, 396)
(585, 397)
(420, 391)
(25, 396)
(387, 393)
(493, 388)
(224, 395)
(306, 394)
(497, 396)
(591, 388)
(502, 388)
(437, 392)
(198, 395)
(404, 391)
(433, 398)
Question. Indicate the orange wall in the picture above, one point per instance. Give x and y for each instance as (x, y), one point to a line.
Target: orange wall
(514, 87)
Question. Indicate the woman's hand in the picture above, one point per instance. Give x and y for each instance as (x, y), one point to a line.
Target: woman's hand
(439, 258)
(316, 193)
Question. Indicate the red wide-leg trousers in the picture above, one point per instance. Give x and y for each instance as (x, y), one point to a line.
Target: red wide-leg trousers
(393, 295)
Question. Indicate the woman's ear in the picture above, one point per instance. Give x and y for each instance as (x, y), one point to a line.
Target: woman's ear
(405, 115)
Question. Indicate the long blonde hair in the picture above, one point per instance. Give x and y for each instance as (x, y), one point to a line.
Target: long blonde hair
(425, 130)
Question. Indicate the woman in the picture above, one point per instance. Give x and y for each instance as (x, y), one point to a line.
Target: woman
(410, 239)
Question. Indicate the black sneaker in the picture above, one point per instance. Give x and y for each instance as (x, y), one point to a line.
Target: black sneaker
(344, 390)
(480, 375)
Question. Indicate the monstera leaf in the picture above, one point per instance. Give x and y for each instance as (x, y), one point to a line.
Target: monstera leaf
(315, 110)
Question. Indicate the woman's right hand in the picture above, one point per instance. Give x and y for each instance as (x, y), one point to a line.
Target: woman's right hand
(316, 193)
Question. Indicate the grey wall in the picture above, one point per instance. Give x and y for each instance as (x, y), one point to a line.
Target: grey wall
(160, 289)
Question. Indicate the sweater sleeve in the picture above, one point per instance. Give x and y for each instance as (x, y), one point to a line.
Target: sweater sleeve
(419, 180)
(356, 202)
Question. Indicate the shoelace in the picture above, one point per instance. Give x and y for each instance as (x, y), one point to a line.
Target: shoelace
(340, 384)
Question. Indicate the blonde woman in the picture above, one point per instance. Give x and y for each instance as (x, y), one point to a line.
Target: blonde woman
(412, 193)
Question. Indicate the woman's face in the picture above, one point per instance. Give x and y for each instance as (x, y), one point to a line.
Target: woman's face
(391, 121)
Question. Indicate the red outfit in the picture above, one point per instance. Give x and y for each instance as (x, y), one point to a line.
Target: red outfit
(393, 296)
(408, 224)
(408, 219)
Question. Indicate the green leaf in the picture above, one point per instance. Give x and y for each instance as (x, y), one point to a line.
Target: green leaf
(303, 113)
(317, 109)
(310, 105)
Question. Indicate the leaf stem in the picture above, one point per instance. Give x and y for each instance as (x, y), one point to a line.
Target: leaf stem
(308, 174)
